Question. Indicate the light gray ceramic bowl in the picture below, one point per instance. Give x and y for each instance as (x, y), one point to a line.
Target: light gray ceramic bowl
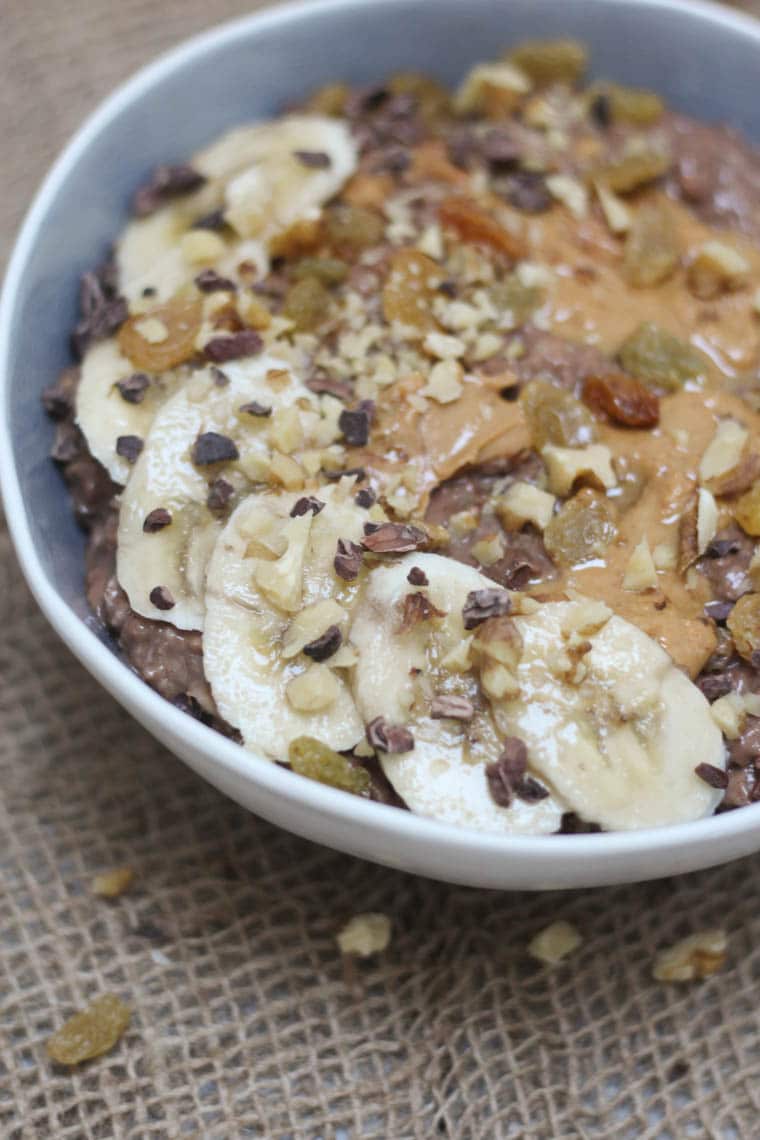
(704, 59)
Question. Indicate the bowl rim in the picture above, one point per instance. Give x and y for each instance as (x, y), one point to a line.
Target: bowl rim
(150, 708)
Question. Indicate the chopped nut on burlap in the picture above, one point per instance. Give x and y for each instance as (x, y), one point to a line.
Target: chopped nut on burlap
(245, 1021)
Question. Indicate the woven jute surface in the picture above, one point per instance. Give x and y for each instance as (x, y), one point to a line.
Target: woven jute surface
(244, 1022)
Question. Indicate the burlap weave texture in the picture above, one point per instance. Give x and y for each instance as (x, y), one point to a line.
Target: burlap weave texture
(245, 1023)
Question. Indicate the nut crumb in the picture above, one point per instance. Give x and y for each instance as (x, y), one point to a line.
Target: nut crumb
(554, 942)
(695, 957)
(365, 935)
(111, 884)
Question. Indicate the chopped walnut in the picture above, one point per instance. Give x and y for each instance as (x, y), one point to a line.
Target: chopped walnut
(365, 935)
(554, 943)
(695, 957)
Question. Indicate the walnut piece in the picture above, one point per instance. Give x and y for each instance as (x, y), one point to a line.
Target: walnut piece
(697, 956)
(554, 942)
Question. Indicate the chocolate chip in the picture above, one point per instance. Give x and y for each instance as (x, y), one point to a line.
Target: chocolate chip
(364, 100)
(390, 738)
(417, 608)
(133, 388)
(452, 708)
(221, 379)
(449, 289)
(484, 604)
(314, 159)
(323, 384)
(355, 424)
(304, 505)
(211, 447)
(348, 560)
(530, 790)
(600, 111)
(209, 281)
(393, 538)
(365, 498)
(722, 547)
(149, 291)
(345, 472)
(711, 775)
(505, 774)
(213, 221)
(156, 520)
(715, 685)
(417, 577)
(527, 191)
(222, 348)
(103, 310)
(129, 447)
(499, 148)
(254, 408)
(58, 398)
(718, 611)
(166, 182)
(162, 598)
(324, 646)
(219, 494)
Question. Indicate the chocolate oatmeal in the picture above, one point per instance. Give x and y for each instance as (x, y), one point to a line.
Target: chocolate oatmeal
(415, 434)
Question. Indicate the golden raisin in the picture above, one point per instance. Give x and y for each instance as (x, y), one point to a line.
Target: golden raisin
(163, 337)
(511, 296)
(328, 270)
(353, 227)
(90, 1033)
(432, 98)
(313, 759)
(633, 170)
(651, 251)
(473, 224)
(632, 105)
(661, 359)
(551, 61)
(329, 100)
(555, 416)
(744, 625)
(583, 529)
(306, 303)
(298, 240)
(623, 398)
(111, 884)
(409, 289)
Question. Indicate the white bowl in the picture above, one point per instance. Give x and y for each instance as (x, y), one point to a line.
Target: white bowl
(703, 58)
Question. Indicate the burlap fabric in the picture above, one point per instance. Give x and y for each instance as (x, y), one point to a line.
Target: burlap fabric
(245, 1023)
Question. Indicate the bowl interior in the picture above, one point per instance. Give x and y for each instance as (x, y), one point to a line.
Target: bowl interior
(702, 59)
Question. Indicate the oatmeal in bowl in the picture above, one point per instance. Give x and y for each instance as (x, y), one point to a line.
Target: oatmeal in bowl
(415, 434)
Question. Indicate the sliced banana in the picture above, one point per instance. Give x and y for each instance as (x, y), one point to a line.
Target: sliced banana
(102, 412)
(610, 723)
(292, 168)
(398, 674)
(272, 589)
(166, 477)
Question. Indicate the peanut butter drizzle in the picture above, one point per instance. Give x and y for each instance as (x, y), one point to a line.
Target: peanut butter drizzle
(667, 458)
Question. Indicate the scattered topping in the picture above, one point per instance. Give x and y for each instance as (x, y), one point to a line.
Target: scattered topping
(570, 192)
(566, 466)
(314, 159)
(410, 288)
(202, 247)
(626, 104)
(325, 645)
(652, 250)
(212, 447)
(554, 943)
(484, 604)
(506, 773)
(355, 424)
(166, 183)
(112, 884)
(695, 957)
(551, 61)
(365, 498)
(418, 608)
(452, 707)
(524, 503)
(527, 191)
(417, 577)
(555, 416)
(312, 624)
(315, 689)
(744, 625)
(209, 281)
(348, 560)
(393, 739)
(129, 447)
(640, 573)
(219, 494)
(472, 224)
(179, 320)
(161, 598)
(303, 505)
(711, 775)
(156, 520)
(102, 310)
(90, 1033)
(717, 268)
(365, 935)
(634, 170)
(306, 303)
(222, 348)
(444, 382)
(582, 529)
(393, 538)
(724, 451)
(747, 511)
(707, 519)
(624, 399)
(133, 388)
(311, 758)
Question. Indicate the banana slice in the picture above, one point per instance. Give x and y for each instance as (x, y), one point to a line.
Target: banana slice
(149, 255)
(398, 675)
(104, 414)
(292, 168)
(260, 404)
(610, 723)
(271, 591)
